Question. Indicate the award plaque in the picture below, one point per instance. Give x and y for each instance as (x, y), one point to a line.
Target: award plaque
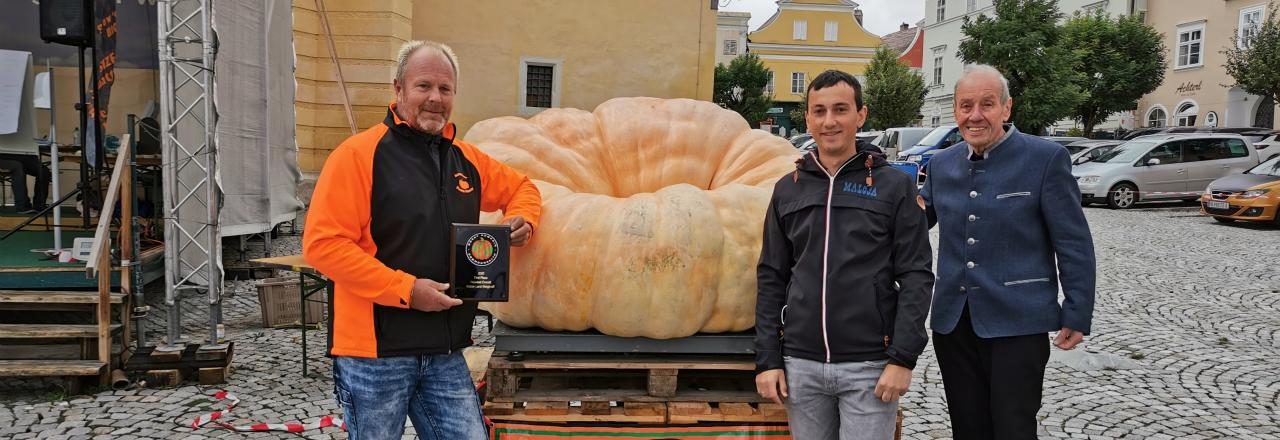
(479, 262)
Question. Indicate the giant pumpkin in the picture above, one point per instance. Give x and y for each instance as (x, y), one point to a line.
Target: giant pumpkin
(652, 212)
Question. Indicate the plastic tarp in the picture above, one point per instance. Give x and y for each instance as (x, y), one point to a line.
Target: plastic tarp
(254, 91)
(17, 118)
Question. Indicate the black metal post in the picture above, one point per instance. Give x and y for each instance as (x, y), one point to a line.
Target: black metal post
(84, 149)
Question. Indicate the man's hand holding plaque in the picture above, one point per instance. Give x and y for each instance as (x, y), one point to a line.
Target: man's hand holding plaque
(428, 296)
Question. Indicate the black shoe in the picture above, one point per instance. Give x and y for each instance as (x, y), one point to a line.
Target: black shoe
(26, 210)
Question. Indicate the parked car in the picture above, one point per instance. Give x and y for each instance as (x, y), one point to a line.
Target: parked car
(1268, 147)
(1254, 134)
(804, 141)
(1087, 150)
(900, 139)
(1171, 166)
(937, 140)
(1064, 140)
(1252, 196)
(867, 136)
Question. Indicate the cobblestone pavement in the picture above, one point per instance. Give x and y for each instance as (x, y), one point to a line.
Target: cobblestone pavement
(1185, 346)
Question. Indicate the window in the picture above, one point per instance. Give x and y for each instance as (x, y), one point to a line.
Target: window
(937, 71)
(1156, 117)
(1236, 148)
(935, 121)
(1186, 114)
(539, 84)
(730, 47)
(1168, 154)
(1250, 23)
(973, 5)
(1205, 149)
(800, 30)
(1211, 119)
(1190, 45)
(942, 10)
(768, 87)
(831, 32)
(797, 82)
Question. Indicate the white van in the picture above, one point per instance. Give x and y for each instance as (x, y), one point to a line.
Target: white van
(1165, 166)
(899, 139)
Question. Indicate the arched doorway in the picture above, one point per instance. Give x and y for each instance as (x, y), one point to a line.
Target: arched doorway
(1265, 117)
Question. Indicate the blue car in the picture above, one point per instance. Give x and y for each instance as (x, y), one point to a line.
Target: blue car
(938, 139)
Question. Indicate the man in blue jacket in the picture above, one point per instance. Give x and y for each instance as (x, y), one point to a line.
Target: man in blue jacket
(843, 280)
(1011, 230)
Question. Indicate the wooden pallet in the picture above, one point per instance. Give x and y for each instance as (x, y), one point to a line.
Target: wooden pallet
(625, 388)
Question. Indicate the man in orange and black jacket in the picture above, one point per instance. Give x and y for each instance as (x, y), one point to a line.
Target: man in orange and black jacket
(378, 226)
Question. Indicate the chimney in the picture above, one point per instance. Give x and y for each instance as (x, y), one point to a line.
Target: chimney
(904, 27)
(857, 15)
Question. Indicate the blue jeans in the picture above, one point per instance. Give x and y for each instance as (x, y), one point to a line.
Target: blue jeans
(435, 392)
(837, 401)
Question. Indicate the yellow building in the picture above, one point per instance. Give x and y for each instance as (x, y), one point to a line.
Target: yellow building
(803, 39)
(519, 57)
(516, 57)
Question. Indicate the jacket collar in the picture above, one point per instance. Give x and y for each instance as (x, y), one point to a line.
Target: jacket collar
(809, 161)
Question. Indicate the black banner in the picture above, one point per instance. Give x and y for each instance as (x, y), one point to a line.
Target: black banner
(105, 45)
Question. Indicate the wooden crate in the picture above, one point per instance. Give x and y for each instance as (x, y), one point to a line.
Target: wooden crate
(625, 388)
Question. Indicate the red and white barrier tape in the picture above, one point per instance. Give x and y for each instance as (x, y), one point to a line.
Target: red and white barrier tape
(323, 422)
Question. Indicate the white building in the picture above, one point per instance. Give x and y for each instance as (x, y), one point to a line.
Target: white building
(943, 67)
(731, 35)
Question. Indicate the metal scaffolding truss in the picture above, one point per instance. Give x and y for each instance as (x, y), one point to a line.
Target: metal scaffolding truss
(191, 196)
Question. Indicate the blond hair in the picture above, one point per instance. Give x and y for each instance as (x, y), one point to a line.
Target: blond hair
(408, 49)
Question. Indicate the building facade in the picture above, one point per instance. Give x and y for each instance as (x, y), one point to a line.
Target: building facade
(731, 35)
(803, 39)
(942, 37)
(516, 58)
(1196, 89)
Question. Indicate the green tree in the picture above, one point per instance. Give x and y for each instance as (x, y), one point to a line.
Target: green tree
(797, 115)
(740, 87)
(1121, 58)
(1022, 42)
(1256, 67)
(894, 94)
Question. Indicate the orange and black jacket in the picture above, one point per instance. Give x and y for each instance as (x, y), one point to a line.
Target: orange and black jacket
(379, 219)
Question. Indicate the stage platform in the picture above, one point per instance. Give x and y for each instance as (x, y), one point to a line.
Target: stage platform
(10, 218)
(22, 269)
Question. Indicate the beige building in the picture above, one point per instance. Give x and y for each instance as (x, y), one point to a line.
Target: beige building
(516, 57)
(731, 35)
(1196, 33)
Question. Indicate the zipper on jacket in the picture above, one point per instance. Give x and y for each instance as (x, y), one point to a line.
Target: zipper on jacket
(826, 244)
(443, 145)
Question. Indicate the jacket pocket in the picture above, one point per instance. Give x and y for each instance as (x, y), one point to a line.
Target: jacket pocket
(1026, 281)
(1013, 194)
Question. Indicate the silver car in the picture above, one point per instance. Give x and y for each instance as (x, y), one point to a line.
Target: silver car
(1167, 166)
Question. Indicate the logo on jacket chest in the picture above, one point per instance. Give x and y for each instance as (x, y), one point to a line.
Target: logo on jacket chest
(859, 189)
(463, 185)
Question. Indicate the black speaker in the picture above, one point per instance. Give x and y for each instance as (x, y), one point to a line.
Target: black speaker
(67, 22)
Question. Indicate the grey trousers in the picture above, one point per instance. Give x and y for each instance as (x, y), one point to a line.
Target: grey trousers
(837, 401)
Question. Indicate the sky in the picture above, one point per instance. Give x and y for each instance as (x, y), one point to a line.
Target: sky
(879, 16)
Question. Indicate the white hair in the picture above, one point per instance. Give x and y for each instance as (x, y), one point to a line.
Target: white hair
(407, 50)
(984, 69)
